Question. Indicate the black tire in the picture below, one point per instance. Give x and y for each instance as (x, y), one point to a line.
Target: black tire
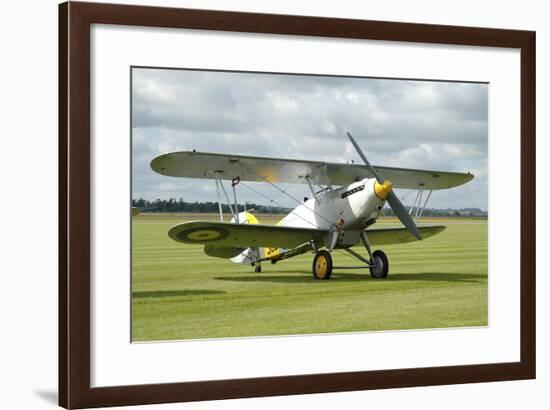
(381, 270)
(258, 268)
(322, 265)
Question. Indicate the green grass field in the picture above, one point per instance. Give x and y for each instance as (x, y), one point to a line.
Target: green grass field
(180, 293)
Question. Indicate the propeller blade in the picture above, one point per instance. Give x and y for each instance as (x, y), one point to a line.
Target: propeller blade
(365, 160)
(403, 215)
(392, 199)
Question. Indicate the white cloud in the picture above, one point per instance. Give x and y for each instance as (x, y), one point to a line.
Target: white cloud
(419, 124)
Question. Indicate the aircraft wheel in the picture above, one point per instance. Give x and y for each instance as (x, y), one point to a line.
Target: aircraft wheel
(258, 268)
(322, 265)
(380, 271)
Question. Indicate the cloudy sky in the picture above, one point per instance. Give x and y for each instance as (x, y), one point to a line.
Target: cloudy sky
(402, 123)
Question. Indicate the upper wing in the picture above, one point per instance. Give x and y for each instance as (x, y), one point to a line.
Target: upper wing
(387, 236)
(225, 234)
(191, 164)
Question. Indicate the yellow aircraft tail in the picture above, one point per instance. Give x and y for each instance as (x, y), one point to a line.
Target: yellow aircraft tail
(248, 255)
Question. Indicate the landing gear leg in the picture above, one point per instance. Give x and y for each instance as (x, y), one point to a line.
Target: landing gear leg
(258, 268)
(378, 260)
(365, 240)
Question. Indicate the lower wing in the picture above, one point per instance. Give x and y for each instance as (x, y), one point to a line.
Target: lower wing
(231, 235)
(388, 236)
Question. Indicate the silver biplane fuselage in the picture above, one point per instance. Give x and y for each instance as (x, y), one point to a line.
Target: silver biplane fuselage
(343, 212)
(351, 207)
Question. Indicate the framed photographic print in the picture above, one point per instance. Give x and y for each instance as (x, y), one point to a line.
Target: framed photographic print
(256, 205)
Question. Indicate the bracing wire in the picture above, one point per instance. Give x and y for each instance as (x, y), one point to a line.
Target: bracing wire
(279, 204)
(279, 193)
(285, 193)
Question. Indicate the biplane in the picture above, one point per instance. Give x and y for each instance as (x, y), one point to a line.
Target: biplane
(346, 201)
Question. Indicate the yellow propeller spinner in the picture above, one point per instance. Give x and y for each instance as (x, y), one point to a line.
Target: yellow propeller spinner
(383, 190)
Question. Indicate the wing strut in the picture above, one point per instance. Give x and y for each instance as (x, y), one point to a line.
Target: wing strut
(418, 195)
(234, 183)
(308, 179)
(418, 207)
(233, 211)
(219, 199)
(424, 206)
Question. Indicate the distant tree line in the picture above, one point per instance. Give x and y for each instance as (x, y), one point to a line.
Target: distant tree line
(465, 212)
(179, 205)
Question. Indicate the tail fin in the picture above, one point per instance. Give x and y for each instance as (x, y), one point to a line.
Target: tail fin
(246, 218)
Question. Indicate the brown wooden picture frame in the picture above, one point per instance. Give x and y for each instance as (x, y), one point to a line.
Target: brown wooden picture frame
(75, 20)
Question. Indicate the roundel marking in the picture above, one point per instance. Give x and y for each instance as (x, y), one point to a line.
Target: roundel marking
(202, 235)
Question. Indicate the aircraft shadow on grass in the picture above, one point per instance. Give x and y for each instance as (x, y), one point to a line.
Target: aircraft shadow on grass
(354, 277)
(175, 293)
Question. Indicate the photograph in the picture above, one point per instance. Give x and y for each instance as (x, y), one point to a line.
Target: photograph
(278, 204)
(274, 205)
